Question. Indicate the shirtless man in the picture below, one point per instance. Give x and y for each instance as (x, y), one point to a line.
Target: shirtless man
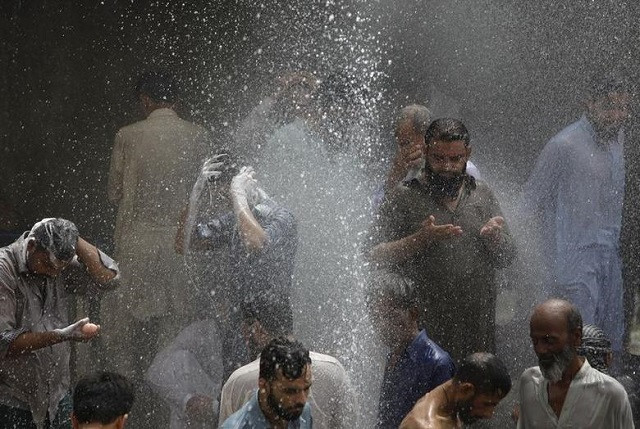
(480, 383)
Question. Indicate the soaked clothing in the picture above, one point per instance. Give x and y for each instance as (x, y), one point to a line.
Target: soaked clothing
(594, 401)
(268, 271)
(331, 397)
(456, 278)
(250, 416)
(422, 367)
(190, 365)
(39, 380)
(577, 189)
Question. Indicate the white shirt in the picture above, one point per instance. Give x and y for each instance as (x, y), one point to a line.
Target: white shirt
(594, 401)
(331, 397)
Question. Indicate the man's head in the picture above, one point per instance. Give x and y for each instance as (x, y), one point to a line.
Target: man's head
(607, 103)
(264, 318)
(596, 347)
(447, 152)
(391, 301)
(556, 331)
(285, 378)
(411, 125)
(102, 400)
(481, 382)
(155, 90)
(51, 245)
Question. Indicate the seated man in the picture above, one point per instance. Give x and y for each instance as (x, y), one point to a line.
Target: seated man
(188, 373)
(331, 399)
(281, 399)
(480, 383)
(415, 364)
(101, 401)
(565, 390)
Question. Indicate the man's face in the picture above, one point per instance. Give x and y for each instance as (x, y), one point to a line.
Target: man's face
(287, 398)
(448, 159)
(43, 263)
(554, 345)
(480, 406)
(406, 134)
(389, 321)
(609, 112)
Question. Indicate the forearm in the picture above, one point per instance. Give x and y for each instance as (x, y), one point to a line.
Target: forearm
(396, 252)
(88, 254)
(253, 235)
(30, 341)
(395, 176)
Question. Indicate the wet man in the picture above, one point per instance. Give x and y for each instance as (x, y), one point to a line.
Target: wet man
(576, 192)
(564, 390)
(281, 399)
(38, 272)
(445, 231)
(102, 401)
(331, 399)
(480, 383)
(415, 364)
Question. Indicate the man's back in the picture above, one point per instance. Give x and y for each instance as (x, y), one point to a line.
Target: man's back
(331, 398)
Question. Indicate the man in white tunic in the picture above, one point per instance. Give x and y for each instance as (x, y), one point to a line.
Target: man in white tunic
(564, 391)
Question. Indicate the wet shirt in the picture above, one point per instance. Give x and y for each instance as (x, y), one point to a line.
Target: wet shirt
(33, 303)
(594, 401)
(266, 271)
(331, 396)
(190, 365)
(455, 278)
(250, 416)
(577, 187)
(422, 367)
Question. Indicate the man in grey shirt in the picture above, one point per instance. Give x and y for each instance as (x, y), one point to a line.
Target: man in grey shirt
(37, 274)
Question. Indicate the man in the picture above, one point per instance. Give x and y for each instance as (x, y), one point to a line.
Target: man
(102, 401)
(257, 235)
(564, 390)
(281, 399)
(331, 399)
(153, 166)
(37, 274)
(480, 383)
(188, 373)
(445, 231)
(576, 192)
(415, 364)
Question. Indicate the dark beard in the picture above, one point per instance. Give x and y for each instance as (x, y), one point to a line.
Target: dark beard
(443, 186)
(276, 407)
(553, 366)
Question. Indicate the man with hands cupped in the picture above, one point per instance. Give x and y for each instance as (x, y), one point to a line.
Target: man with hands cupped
(445, 231)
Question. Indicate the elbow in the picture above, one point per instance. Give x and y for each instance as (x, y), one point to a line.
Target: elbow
(255, 242)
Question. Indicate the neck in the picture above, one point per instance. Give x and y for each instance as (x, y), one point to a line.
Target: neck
(276, 421)
(571, 371)
(448, 399)
(404, 341)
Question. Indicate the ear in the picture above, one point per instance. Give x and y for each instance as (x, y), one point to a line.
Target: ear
(74, 421)
(31, 244)
(468, 151)
(577, 337)
(120, 421)
(466, 390)
(263, 384)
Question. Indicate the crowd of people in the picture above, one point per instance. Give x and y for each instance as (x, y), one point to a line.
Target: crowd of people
(221, 349)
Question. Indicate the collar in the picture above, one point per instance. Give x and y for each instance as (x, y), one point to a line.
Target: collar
(20, 253)
(413, 349)
(163, 111)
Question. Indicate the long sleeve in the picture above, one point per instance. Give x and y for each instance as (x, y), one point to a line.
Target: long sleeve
(116, 170)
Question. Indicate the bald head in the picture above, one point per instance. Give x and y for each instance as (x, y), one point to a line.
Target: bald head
(415, 117)
(558, 310)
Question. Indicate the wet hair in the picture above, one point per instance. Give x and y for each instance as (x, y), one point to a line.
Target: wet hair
(160, 86)
(447, 130)
(102, 397)
(595, 347)
(289, 356)
(57, 236)
(274, 314)
(419, 116)
(389, 285)
(487, 373)
(603, 84)
(574, 318)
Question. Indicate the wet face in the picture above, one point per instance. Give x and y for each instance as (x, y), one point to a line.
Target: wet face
(554, 345)
(608, 113)
(286, 398)
(406, 134)
(42, 262)
(481, 406)
(390, 322)
(447, 159)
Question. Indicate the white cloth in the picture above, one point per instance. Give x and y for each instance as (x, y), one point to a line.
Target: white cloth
(190, 365)
(594, 401)
(331, 397)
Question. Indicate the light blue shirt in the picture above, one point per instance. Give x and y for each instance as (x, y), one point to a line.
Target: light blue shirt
(250, 416)
(577, 186)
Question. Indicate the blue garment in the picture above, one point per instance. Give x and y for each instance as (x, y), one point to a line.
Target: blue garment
(250, 416)
(422, 367)
(577, 187)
